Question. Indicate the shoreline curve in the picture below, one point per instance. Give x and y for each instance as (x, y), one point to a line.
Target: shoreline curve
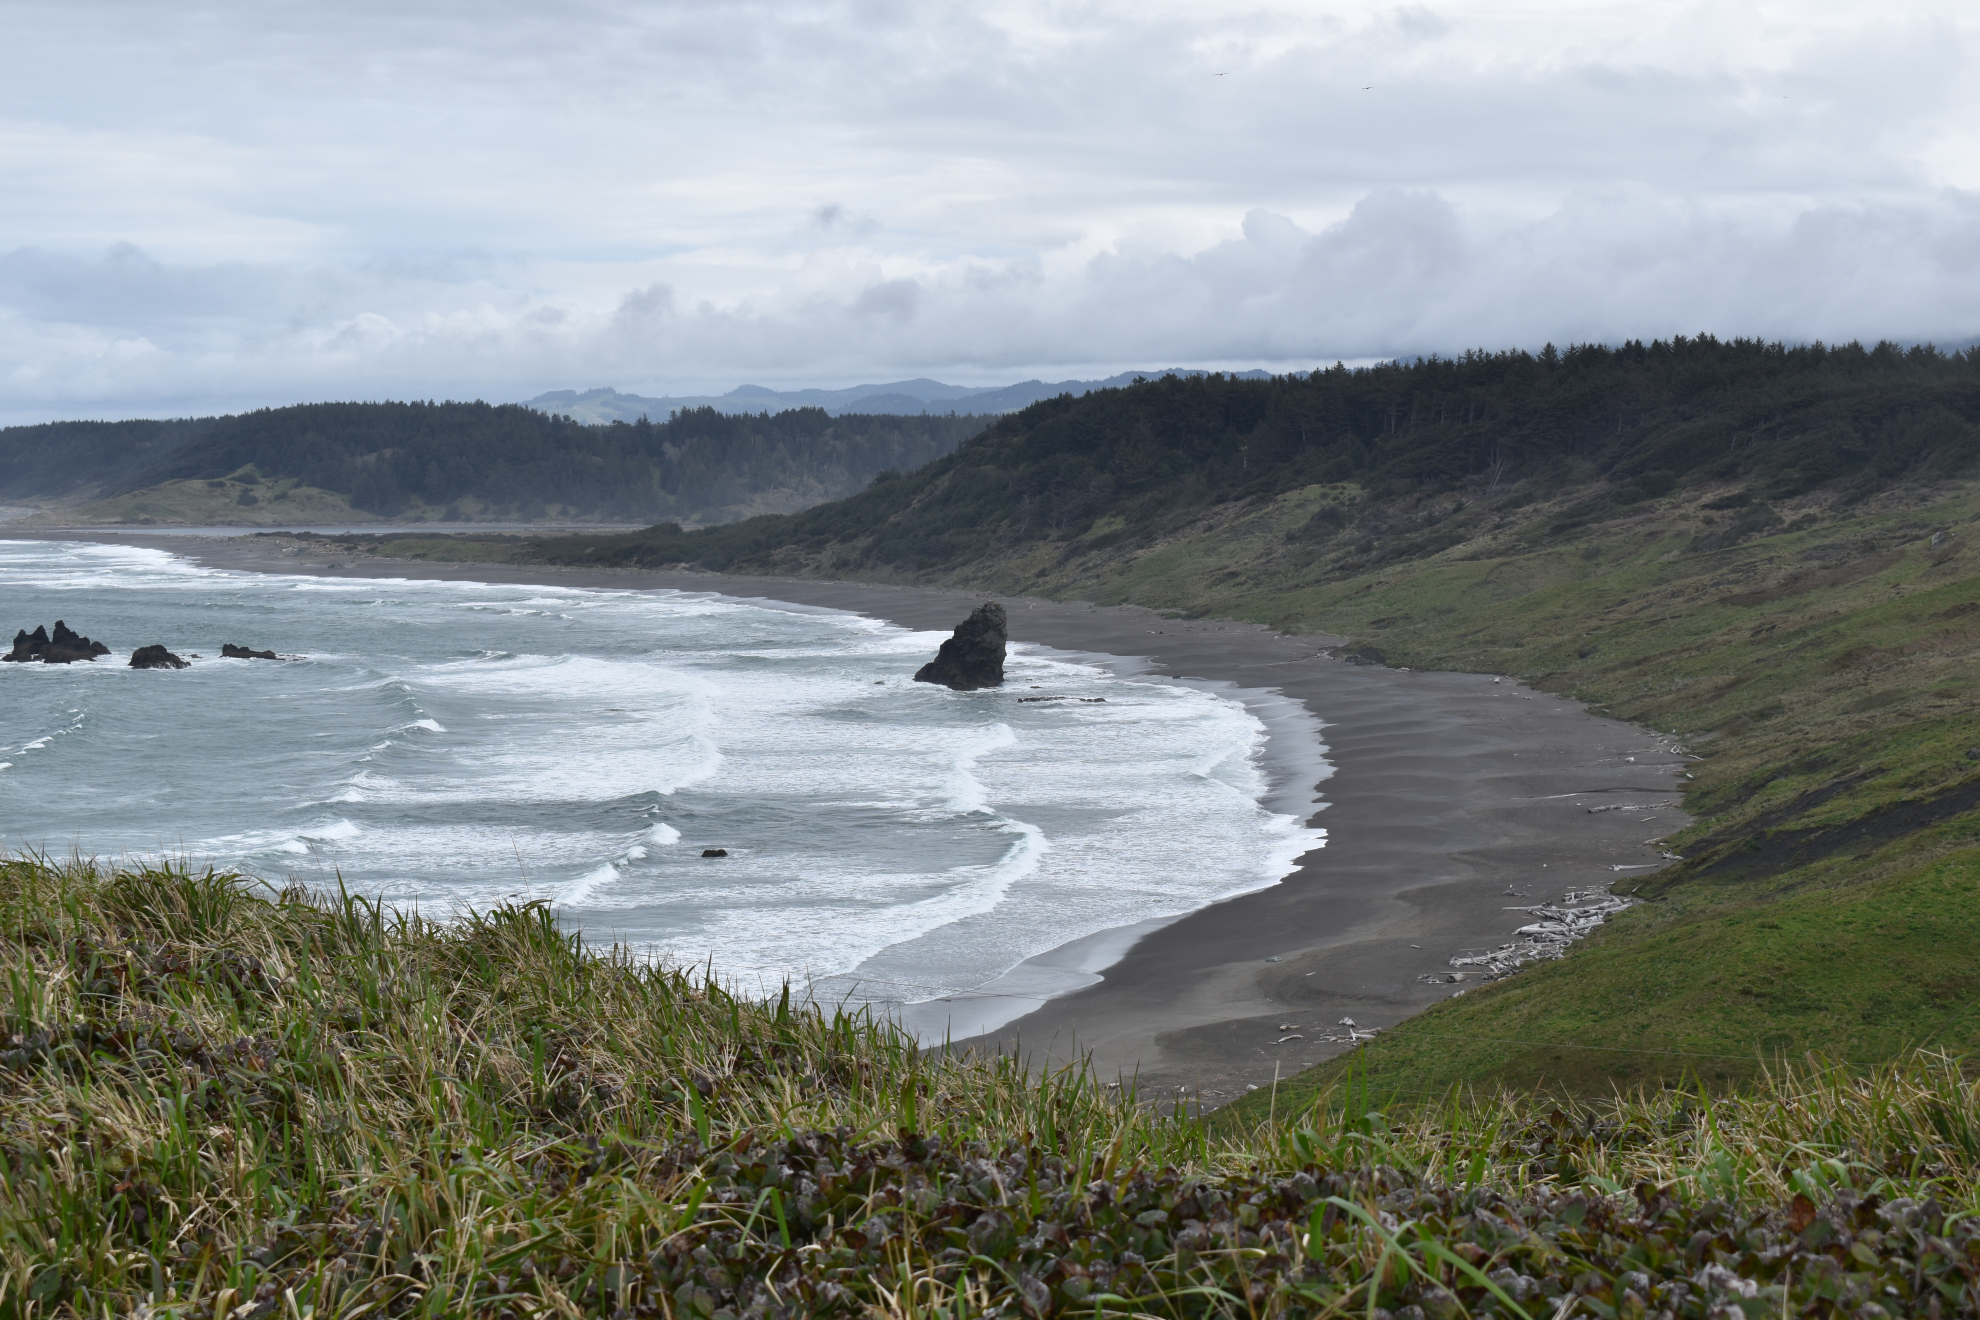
(1454, 799)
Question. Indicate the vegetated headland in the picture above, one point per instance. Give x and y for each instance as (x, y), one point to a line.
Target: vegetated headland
(1766, 551)
(1748, 1095)
(330, 463)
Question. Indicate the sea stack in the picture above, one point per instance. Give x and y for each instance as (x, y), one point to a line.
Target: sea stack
(156, 657)
(228, 651)
(974, 657)
(65, 646)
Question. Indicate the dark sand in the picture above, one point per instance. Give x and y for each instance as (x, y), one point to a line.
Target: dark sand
(1454, 799)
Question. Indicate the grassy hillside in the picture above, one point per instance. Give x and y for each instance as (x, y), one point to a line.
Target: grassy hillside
(241, 499)
(1794, 597)
(217, 1102)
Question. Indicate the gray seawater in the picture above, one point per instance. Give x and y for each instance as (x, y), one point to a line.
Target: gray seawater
(452, 745)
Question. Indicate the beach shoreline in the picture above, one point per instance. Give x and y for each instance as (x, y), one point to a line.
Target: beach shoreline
(1454, 799)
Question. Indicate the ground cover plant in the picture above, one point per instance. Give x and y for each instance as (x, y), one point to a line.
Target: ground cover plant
(216, 1100)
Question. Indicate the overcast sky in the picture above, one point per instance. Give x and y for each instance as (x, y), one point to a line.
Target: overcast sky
(205, 207)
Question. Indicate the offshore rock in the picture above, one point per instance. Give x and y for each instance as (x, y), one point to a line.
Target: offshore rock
(974, 657)
(63, 648)
(156, 657)
(27, 646)
(228, 651)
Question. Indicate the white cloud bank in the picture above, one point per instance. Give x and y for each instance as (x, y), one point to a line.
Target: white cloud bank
(251, 204)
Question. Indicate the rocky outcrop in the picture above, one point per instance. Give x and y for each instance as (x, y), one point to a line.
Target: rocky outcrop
(64, 647)
(229, 651)
(156, 657)
(974, 657)
(27, 646)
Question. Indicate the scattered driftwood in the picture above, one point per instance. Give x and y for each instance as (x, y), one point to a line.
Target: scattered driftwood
(1353, 1033)
(1560, 924)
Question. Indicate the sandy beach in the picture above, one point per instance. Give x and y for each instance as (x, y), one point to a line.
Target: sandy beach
(1454, 801)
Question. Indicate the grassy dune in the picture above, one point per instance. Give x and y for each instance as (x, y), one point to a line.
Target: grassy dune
(222, 1102)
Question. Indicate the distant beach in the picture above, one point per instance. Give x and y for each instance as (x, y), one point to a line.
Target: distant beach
(1453, 801)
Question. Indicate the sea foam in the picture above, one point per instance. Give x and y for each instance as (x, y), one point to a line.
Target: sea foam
(457, 745)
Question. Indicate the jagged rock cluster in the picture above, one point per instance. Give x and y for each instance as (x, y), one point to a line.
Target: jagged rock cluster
(974, 657)
(64, 647)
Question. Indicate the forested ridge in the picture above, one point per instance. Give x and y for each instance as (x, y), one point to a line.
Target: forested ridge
(56, 458)
(1629, 424)
(477, 459)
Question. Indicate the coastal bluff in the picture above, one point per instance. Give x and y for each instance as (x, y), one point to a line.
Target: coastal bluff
(974, 656)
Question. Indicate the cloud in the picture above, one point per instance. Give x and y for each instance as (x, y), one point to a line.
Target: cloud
(242, 205)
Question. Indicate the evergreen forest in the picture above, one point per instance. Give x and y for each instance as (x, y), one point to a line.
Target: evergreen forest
(477, 460)
(1126, 467)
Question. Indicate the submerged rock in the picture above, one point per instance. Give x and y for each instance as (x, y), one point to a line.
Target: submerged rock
(156, 657)
(228, 651)
(64, 647)
(714, 852)
(974, 657)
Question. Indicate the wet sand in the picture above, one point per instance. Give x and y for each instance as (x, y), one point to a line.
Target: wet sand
(1454, 800)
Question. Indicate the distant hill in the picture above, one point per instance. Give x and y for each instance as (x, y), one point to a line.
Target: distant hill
(921, 395)
(331, 462)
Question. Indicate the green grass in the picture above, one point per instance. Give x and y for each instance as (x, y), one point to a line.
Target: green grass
(222, 1102)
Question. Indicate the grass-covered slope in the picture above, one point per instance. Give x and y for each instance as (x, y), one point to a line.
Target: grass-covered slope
(217, 1103)
(1767, 553)
(240, 499)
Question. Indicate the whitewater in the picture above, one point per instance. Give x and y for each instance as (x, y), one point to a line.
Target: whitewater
(453, 745)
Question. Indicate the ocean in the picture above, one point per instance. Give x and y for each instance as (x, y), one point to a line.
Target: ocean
(453, 745)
